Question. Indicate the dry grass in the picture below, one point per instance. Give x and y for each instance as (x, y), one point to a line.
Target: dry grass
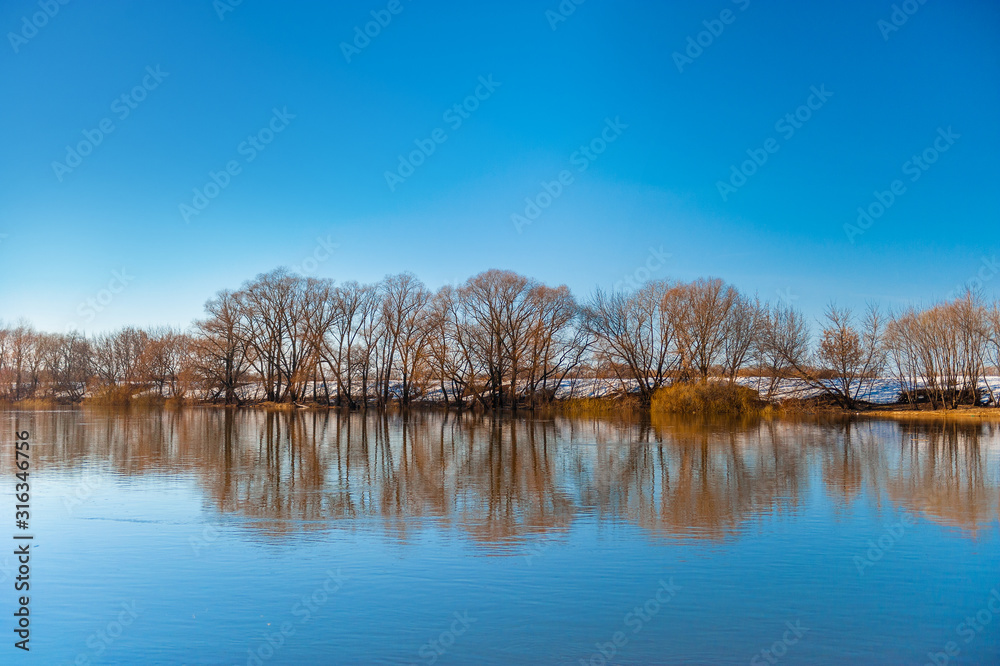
(110, 396)
(123, 396)
(30, 403)
(823, 405)
(148, 400)
(709, 399)
(275, 406)
(960, 414)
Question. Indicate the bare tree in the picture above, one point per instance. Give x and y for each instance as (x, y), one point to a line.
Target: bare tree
(782, 345)
(121, 359)
(901, 337)
(557, 341)
(219, 353)
(855, 356)
(406, 329)
(702, 312)
(745, 319)
(635, 335)
(946, 347)
(991, 346)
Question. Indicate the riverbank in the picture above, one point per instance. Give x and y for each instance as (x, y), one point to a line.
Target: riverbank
(596, 399)
(605, 408)
(907, 413)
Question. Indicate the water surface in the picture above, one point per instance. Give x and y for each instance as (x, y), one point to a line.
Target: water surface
(207, 536)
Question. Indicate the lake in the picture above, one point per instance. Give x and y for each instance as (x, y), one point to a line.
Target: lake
(210, 536)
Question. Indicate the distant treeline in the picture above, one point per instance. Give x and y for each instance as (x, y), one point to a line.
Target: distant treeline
(503, 340)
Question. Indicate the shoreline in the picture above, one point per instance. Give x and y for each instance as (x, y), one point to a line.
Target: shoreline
(581, 408)
(965, 413)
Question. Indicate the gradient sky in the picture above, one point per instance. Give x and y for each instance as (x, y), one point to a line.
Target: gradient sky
(781, 234)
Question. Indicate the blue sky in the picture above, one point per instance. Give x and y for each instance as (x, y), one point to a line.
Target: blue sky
(654, 189)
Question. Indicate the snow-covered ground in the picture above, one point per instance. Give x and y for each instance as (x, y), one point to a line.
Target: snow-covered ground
(883, 391)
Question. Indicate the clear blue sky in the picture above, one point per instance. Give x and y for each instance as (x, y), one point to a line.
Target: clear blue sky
(656, 184)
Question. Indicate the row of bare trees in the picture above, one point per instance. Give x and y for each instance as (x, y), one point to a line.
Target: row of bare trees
(505, 340)
(36, 364)
(940, 354)
(669, 331)
(500, 339)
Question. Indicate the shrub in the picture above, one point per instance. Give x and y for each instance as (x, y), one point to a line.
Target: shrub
(123, 396)
(707, 398)
(110, 396)
(276, 406)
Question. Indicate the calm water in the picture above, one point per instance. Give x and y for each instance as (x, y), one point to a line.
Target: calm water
(212, 537)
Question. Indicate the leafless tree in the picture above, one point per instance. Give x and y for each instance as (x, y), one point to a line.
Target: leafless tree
(635, 335)
(406, 331)
(782, 345)
(855, 356)
(701, 312)
(219, 352)
(121, 359)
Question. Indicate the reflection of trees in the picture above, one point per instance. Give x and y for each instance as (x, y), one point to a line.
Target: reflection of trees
(698, 480)
(504, 480)
(844, 447)
(948, 472)
(940, 470)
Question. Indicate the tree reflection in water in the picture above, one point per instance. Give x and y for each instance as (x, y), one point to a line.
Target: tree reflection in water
(507, 480)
